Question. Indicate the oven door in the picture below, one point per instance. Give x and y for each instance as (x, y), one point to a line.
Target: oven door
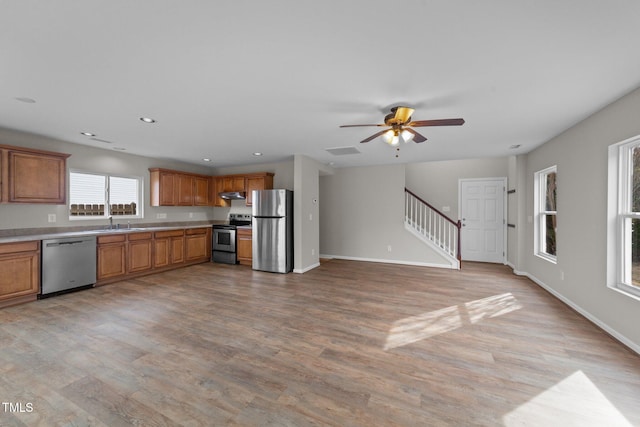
(224, 240)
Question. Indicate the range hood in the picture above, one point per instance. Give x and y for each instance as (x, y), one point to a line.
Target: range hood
(232, 195)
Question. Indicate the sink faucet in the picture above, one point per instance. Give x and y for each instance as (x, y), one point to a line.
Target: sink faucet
(110, 223)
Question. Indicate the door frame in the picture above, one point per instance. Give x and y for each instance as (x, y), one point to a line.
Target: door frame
(504, 208)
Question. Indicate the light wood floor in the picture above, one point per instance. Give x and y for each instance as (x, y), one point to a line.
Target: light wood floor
(346, 344)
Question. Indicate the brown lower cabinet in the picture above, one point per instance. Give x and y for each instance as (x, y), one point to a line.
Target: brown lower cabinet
(244, 246)
(126, 255)
(19, 272)
(168, 247)
(139, 252)
(112, 257)
(197, 244)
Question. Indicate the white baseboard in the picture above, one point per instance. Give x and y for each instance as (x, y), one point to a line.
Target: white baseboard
(304, 270)
(593, 319)
(389, 261)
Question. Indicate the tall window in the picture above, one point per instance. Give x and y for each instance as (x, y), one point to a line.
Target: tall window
(624, 216)
(546, 224)
(100, 196)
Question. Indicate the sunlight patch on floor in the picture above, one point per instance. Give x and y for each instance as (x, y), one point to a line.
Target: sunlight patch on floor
(574, 401)
(416, 328)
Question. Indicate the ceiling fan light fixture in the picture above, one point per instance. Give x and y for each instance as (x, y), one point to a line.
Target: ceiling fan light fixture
(401, 126)
(387, 136)
(391, 137)
(406, 136)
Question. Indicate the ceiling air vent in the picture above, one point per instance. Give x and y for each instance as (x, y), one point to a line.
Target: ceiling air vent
(101, 140)
(343, 151)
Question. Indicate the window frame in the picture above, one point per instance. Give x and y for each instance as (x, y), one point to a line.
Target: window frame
(540, 214)
(107, 211)
(619, 216)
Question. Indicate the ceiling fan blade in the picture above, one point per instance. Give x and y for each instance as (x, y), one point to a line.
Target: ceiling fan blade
(374, 136)
(416, 136)
(439, 122)
(353, 126)
(403, 114)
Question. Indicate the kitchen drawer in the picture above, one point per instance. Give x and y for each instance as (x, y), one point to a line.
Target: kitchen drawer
(112, 239)
(245, 232)
(169, 233)
(140, 236)
(192, 231)
(31, 246)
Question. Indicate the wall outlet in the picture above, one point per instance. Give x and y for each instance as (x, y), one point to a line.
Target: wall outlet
(161, 216)
(51, 217)
(313, 251)
(310, 217)
(389, 248)
(190, 214)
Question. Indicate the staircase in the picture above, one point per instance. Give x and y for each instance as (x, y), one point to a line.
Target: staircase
(433, 227)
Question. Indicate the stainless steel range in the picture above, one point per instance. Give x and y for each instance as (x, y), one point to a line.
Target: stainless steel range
(224, 238)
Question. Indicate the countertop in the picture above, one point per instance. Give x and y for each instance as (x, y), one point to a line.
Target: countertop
(12, 236)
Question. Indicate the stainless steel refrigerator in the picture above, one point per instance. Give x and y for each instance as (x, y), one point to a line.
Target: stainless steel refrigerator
(273, 230)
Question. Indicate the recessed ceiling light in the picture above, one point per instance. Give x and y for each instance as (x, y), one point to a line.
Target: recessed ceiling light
(147, 120)
(119, 148)
(88, 134)
(25, 99)
(206, 160)
(257, 154)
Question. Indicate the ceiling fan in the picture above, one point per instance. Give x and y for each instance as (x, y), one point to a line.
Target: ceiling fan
(400, 126)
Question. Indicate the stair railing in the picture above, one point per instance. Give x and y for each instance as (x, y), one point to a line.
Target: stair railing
(433, 224)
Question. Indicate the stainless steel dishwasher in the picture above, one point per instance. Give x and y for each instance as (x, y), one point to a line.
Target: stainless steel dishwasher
(68, 263)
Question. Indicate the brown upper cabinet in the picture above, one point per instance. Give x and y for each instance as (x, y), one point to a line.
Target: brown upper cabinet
(242, 182)
(201, 186)
(174, 188)
(232, 183)
(32, 176)
(262, 181)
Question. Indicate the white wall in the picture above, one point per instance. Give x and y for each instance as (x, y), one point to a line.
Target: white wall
(437, 182)
(516, 208)
(579, 278)
(306, 212)
(87, 158)
(362, 214)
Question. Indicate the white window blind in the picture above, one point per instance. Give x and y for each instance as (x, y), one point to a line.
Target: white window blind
(123, 190)
(87, 188)
(95, 196)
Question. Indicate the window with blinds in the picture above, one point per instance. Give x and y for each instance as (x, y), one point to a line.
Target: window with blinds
(96, 195)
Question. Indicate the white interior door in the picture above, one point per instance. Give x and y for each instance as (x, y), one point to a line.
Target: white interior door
(483, 219)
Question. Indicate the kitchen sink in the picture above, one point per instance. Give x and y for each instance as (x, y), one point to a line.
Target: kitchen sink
(119, 230)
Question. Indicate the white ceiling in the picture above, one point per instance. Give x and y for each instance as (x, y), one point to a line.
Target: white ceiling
(226, 79)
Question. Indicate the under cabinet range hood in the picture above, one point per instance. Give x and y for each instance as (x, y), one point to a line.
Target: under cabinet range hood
(232, 195)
